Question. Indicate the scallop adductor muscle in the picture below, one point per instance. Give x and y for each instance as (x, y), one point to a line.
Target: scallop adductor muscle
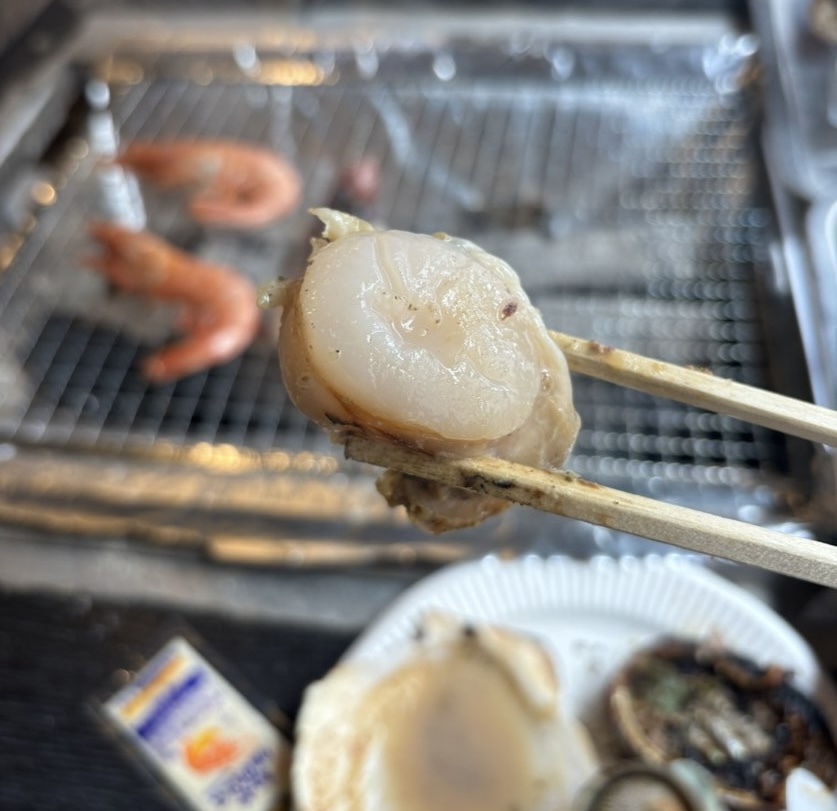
(466, 716)
(428, 341)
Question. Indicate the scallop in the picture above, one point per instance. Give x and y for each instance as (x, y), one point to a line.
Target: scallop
(428, 341)
(466, 717)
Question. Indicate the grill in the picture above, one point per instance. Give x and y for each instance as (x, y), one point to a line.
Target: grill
(621, 180)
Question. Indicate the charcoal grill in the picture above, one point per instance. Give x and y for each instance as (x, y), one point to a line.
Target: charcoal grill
(619, 172)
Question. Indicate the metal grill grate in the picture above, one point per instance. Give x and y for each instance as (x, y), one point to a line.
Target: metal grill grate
(629, 206)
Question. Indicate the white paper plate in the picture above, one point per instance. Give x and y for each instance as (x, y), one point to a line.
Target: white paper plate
(592, 615)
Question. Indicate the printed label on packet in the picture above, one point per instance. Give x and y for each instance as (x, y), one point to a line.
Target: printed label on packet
(205, 739)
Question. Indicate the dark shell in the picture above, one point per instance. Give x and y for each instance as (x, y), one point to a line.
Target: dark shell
(746, 724)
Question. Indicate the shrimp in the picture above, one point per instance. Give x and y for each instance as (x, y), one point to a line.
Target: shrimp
(237, 185)
(219, 314)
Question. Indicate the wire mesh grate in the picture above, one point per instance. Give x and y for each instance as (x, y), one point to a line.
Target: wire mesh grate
(629, 206)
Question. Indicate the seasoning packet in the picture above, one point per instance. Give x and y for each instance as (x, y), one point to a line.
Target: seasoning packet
(207, 743)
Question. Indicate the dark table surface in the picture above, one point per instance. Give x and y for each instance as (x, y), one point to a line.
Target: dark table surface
(57, 657)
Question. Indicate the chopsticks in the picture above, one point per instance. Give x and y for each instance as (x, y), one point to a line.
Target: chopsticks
(699, 388)
(564, 493)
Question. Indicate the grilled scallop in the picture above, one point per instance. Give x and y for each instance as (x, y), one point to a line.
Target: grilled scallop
(464, 718)
(427, 341)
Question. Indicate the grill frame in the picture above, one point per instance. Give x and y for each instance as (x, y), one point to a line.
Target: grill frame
(676, 150)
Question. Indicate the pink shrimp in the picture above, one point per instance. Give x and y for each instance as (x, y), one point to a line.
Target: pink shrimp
(237, 185)
(219, 315)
